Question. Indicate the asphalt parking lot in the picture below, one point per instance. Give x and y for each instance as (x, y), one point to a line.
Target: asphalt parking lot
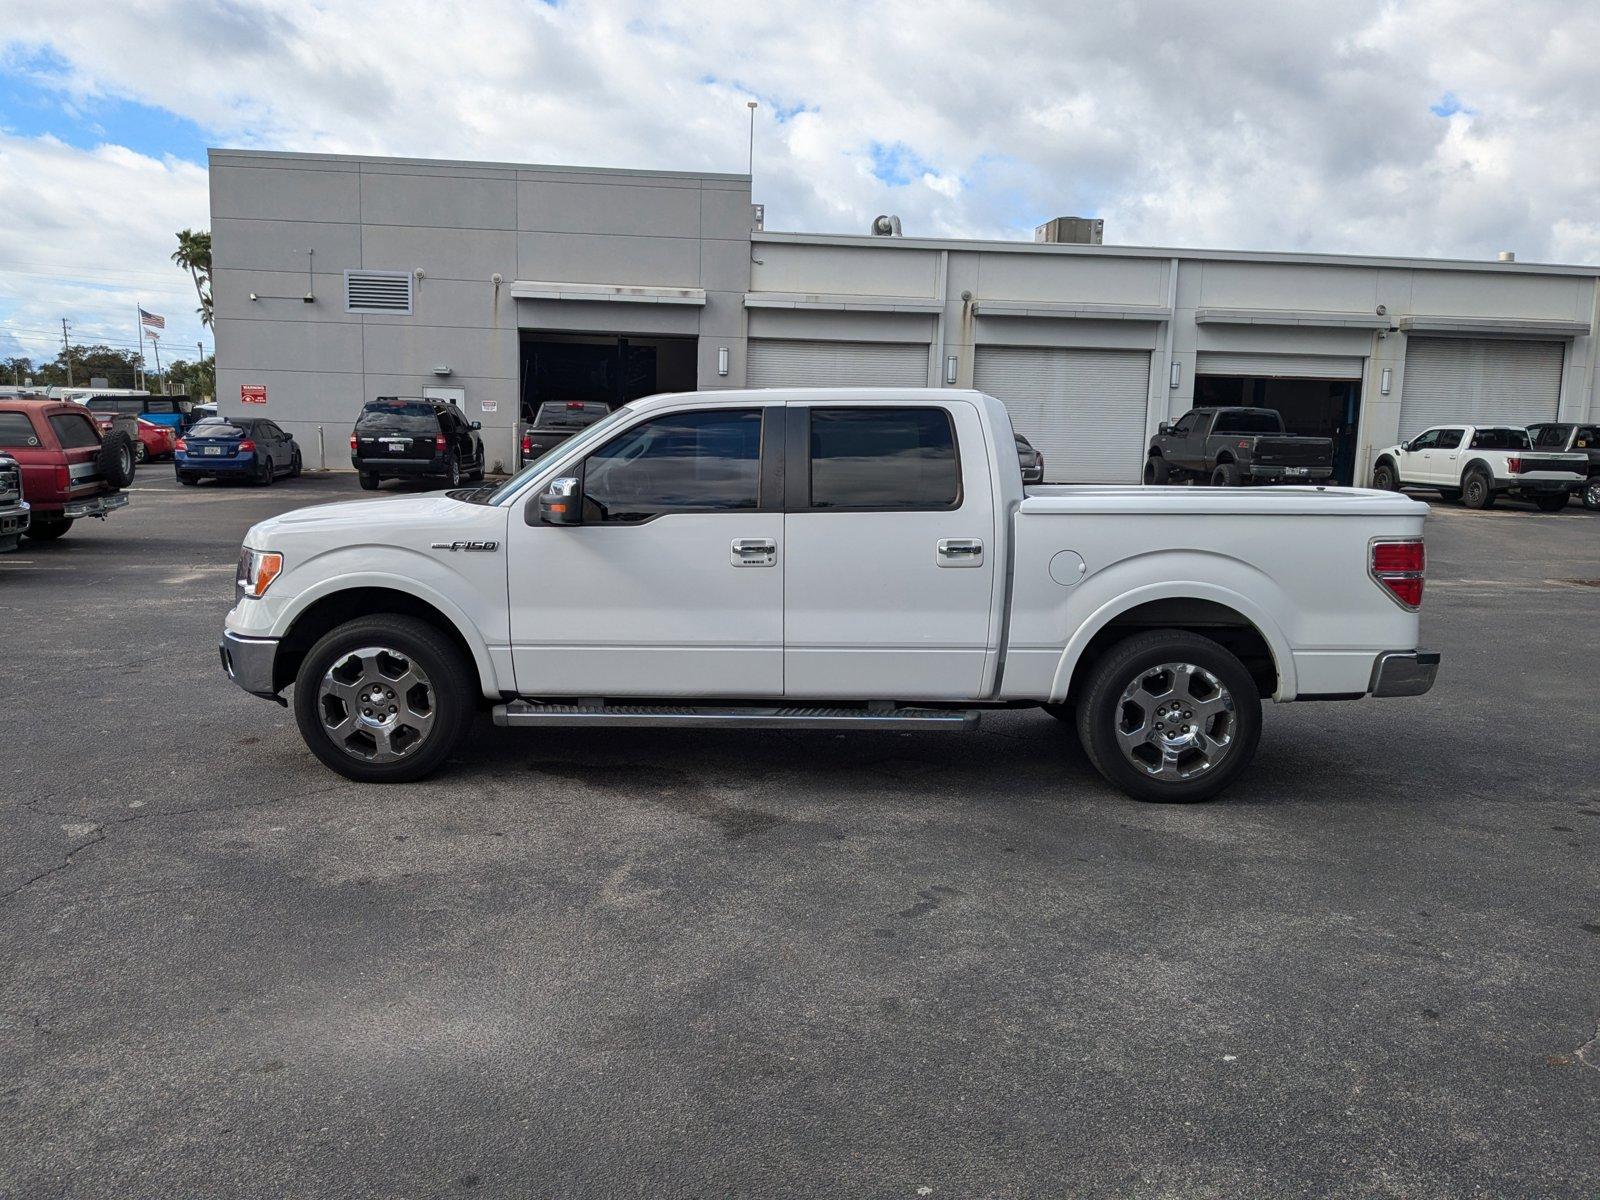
(707, 964)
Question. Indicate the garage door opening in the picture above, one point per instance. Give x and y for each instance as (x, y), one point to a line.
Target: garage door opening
(609, 368)
(1328, 408)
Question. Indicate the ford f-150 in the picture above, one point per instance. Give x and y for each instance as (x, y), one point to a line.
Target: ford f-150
(842, 558)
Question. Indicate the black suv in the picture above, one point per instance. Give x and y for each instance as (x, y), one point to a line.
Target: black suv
(402, 437)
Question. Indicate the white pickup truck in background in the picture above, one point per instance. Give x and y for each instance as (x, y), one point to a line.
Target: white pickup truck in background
(861, 558)
(1476, 463)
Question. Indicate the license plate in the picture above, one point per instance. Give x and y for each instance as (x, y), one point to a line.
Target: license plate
(398, 449)
(213, 449)
(1297, 471)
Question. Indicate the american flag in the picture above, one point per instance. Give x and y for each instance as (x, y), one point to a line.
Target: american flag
(150, 321)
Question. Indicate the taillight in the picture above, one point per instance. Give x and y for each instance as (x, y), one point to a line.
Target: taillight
(439, 443)
(352, 443)
(180, 446)
(1398, 564)
(1514, 465)
(574, 405)
(527, 444)
(247, 447)
(63, 478)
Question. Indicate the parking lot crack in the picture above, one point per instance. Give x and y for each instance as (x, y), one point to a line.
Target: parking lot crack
(97, 836)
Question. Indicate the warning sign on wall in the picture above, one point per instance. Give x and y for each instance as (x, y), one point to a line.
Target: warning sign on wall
(252, 393)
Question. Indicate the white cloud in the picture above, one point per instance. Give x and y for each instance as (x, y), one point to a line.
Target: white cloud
(1259, 124)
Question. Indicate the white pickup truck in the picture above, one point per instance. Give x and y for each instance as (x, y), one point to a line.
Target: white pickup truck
(1477, 463)
(840, 559)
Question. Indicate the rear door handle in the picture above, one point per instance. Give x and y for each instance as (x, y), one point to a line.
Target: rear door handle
(753, 552)
(960, 552)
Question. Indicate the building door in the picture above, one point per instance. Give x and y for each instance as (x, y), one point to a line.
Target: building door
(605, 367)
(1084, 410)
(1317, 395)
(1479, 381)
(778, 362)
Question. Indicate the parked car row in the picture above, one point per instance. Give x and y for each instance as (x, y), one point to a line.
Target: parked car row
(1477, 464)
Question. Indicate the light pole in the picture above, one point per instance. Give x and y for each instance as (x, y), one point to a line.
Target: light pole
(750, 157)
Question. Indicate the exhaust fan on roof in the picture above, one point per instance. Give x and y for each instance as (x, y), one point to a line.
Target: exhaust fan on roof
(886, 226)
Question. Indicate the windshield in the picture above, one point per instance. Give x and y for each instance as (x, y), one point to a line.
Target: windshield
(398, 416)
(580, 441)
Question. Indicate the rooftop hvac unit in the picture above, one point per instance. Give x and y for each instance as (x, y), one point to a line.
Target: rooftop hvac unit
(1078, 231)
(886, 226)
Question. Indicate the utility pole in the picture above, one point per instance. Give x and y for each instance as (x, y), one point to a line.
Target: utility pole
(155, 345)
(67, 346)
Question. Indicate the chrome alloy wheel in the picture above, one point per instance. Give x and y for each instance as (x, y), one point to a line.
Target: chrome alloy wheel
(376, 704)
(1176, 721)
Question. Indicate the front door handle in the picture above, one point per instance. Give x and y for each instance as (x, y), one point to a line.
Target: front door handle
(753, 552)
(960, 552)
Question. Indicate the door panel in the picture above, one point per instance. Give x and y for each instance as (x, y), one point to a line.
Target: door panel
(872, 610)
(673, 585)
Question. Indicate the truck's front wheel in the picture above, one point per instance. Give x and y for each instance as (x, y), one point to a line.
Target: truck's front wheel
(1169, 716)
(383, 699)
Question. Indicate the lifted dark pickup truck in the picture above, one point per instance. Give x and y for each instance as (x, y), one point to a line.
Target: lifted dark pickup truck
(1583, 439)
(1230, 447)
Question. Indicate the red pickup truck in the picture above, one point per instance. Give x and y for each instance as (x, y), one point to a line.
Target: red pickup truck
(68, 471)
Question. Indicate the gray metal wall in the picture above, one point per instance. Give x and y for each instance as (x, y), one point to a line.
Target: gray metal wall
(459, 224)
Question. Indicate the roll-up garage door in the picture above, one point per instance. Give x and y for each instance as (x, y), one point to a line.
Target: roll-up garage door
(1084, 410)
(1277, 366)
(1478, 381)
(780, 363)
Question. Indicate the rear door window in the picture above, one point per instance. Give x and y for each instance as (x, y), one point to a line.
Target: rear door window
(17, 430)
(74, 431)
(1249, 422)
(889, 459)
(1499, 439)
(410, 417)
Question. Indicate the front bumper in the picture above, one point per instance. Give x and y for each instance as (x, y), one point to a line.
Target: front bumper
(94, 506)
(1404, 672)
(250, 662)
(16, 519)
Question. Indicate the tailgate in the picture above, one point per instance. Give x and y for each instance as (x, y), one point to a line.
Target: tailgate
(1293, 452)
(1562, 464)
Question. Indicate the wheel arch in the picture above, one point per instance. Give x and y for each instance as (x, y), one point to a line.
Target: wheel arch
(334, 607)
(1207, 609)
(1477, 464)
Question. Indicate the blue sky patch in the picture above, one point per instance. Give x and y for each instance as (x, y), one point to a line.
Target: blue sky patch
(896, 164)
(781, 113)
(1448, 105)
(35, 100)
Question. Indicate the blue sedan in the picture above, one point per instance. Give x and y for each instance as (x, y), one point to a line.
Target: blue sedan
(250, 448)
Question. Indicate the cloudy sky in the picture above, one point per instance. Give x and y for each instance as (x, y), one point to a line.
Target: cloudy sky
(1432, 127)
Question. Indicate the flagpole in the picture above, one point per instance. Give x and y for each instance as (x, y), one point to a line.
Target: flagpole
(155, 344)
(138, 327)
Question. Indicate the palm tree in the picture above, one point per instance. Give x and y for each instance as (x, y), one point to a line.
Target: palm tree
(194, 255)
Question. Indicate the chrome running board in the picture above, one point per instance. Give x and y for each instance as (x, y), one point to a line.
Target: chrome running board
(527, 712)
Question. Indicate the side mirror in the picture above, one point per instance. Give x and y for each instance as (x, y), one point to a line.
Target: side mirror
(477, 424)
(561, 503)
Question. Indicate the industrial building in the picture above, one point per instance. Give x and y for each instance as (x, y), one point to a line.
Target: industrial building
(339, 278)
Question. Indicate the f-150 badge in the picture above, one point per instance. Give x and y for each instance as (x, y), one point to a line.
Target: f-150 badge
(475, 547)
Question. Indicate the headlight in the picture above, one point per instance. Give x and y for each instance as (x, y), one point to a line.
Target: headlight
(257, 570)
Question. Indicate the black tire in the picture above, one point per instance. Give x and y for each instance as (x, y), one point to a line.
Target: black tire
(294, 466)
(1477, 489)
(264, 473)
(1384, 477)
(1102, 708)
(369, 480)
(187, 478)
(1227, 475)
(1156, 471)
(1591, 494)
(476, 474)
(1552, 503)
(48, 530)
(452, 474)
(116, 459)
(451, 690)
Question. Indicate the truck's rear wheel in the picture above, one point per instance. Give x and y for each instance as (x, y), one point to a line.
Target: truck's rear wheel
(369, 480)
(1477, 489)
(1169, 716)
(48, 529)
(1156, 471)
(1227, 475)
(383, 699)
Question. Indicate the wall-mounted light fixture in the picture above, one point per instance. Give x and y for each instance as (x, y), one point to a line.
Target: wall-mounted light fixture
(1385, 379)
(253, 297)
(722, 360)
(950, 369)
(1177, 375)
(442, 369)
